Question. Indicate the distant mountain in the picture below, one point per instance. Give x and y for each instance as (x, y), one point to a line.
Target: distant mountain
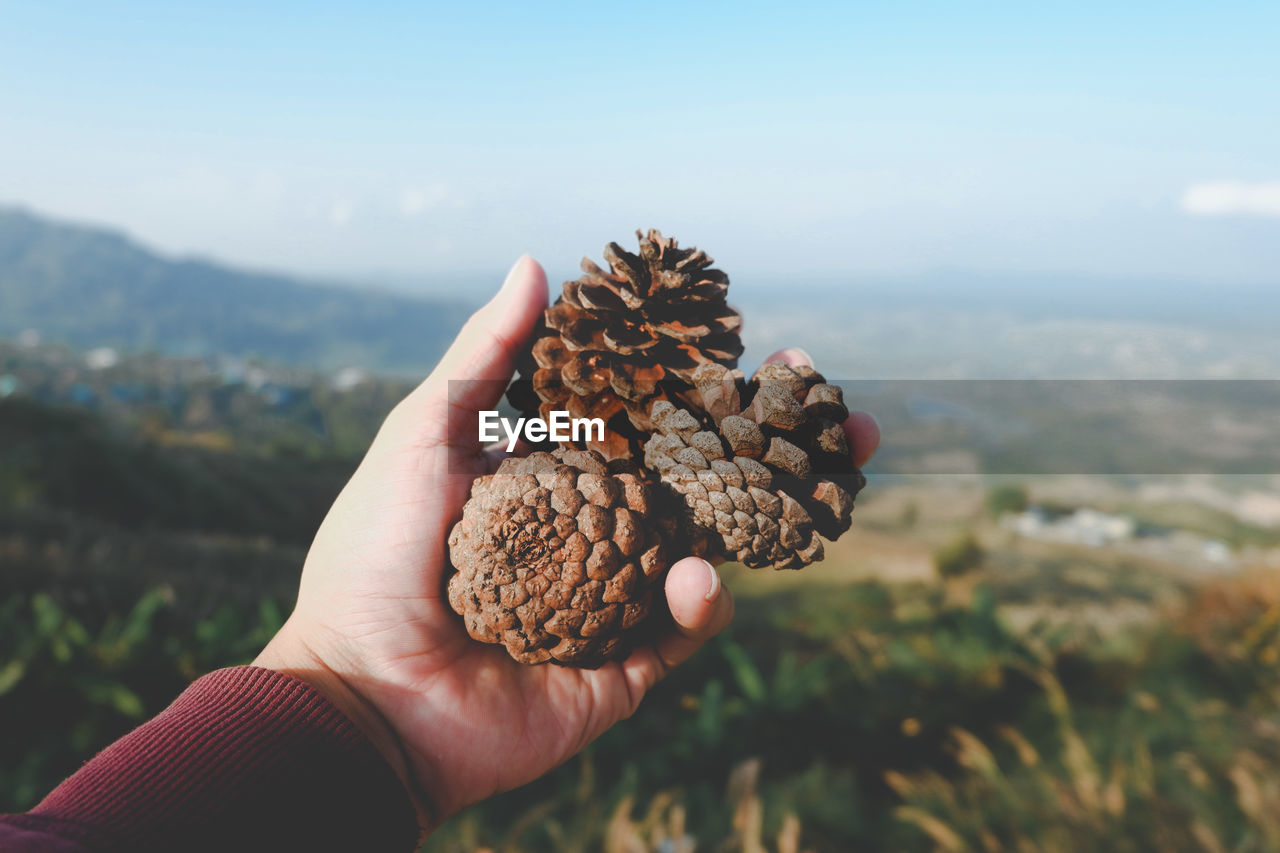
(91, 287)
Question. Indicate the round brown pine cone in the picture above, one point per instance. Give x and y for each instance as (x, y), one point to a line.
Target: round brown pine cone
(616, 341)
(765, 469)
(557, 555)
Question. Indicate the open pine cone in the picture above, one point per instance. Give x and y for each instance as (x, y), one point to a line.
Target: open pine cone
(557, 555)
(764, 478)
(614, 342)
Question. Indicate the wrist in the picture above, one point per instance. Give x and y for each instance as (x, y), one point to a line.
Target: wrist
(288, 654)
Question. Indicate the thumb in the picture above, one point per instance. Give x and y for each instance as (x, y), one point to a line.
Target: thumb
(474, 372)
(486, 347)
(701, 607)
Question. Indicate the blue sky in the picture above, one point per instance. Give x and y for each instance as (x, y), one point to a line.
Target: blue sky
(852, 139)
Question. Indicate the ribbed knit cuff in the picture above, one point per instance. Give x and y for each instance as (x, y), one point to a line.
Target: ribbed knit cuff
(245, 759)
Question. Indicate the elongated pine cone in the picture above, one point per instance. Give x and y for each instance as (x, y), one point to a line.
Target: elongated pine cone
(765, 469)
(614, 342)
(557, 555)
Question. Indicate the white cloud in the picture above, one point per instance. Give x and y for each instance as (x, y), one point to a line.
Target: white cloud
(339, 214)
(417, 200)
(1226, 198)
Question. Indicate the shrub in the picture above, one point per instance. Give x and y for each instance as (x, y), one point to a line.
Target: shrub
(1005, 498)
(958, 557)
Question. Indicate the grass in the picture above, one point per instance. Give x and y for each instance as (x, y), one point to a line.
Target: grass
(861, 716)
(1046, 697)
(888, 718)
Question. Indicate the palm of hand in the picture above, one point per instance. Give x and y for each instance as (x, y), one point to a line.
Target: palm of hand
(470, 720)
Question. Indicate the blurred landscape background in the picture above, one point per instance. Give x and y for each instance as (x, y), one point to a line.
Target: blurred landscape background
(1040, 247)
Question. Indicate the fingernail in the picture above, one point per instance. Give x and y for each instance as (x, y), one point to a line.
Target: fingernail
(513, 273)
(714, 589)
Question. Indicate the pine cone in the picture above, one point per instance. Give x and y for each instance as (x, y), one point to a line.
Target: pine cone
(616, 341)
(765, 479)
(557, 555)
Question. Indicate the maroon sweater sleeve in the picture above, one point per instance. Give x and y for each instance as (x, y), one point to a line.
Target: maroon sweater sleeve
(245, 759)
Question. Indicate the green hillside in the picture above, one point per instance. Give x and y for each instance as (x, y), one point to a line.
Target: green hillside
(90, 287)
(1043, 696)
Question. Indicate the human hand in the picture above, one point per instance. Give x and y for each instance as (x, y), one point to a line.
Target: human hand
(372, 630)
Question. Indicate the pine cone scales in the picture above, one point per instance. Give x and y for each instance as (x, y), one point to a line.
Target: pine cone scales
(557, 554)
(761, 478)
(616, 341)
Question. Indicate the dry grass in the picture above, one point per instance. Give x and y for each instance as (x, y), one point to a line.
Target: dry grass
(660, 826)
(1163, 757)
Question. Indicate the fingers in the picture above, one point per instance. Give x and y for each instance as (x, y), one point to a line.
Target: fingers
(864, 436)
(473, 374)
(860, 427)
(792, 356)
(701, 607)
